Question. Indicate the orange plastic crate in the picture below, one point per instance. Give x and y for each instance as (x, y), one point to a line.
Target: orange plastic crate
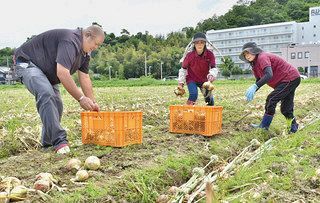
(116, 129)
(203, 120)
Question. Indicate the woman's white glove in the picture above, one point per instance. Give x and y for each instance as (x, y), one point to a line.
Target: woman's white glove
(213, 73)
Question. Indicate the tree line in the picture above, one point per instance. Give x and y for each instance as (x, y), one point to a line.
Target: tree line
(130, 55)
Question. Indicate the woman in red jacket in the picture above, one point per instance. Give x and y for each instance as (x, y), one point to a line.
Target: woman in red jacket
(271, 69)
(198, 67)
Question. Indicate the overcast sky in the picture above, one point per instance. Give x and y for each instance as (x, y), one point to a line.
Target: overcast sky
(23, 18)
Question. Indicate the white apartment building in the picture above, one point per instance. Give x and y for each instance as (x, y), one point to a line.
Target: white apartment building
(270, 37)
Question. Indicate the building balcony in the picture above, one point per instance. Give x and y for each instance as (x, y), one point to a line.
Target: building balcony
(265, 42)
(232, 37)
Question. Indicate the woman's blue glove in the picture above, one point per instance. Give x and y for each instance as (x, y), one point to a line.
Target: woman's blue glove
(250, 92)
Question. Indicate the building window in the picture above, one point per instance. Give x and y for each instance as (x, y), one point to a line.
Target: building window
(302, 28)
(314, 35)
(306, 54)
(314, 26)
(299, 55)
(302, 37)
(293, 55)
(230, 50)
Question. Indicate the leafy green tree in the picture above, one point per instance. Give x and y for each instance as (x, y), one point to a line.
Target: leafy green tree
(6, 51)
(226, 66)
(190, 31)
(282, 2)
(6, 56)
(298, 10)
(236, 70)
(124, 32)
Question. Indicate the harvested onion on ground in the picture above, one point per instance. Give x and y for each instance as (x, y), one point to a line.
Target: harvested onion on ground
(92, 163)
(18, 193)
(199, 171)
(46, 176)
(173, 190)
(10, 181)
(4, 197)
(43, 184)
(74, 164)
(81, 176)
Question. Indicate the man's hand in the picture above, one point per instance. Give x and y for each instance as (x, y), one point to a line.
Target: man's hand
(251, 91)
(87, 104)
(96, 107)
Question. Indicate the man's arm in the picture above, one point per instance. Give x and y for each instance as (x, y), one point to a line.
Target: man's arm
(68, 83)
(86, 85)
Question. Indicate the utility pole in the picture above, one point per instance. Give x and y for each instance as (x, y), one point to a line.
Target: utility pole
(161, 69)
(110, 72)
(145, 64)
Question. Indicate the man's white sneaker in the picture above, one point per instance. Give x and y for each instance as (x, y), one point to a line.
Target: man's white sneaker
(63, 150)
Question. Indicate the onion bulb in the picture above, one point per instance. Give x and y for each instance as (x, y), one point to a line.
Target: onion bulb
(92, 163)
(11, 181)
(256, 195)
(163, 199)
(18, 193)
(81, 175)
(46, 176)
(73, 164)
(208, 85)
(214, 158)
(179, 91)
(198, 171)
(43, 184)
(173, 190)
(4, 197)
(255, 143)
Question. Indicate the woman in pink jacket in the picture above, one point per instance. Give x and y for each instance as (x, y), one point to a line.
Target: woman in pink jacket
(271, 69)
(198, 67)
